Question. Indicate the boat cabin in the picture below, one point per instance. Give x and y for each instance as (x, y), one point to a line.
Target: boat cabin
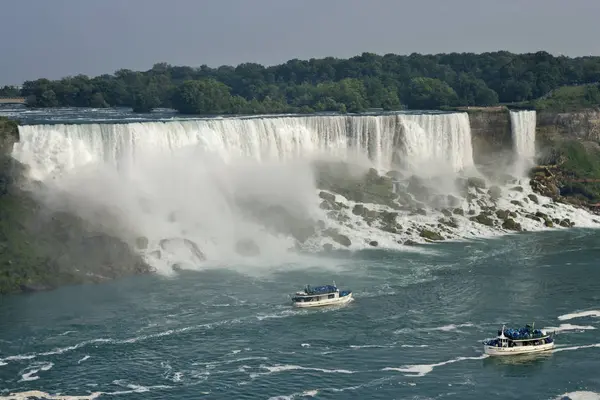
(520, 337)
(318, 293)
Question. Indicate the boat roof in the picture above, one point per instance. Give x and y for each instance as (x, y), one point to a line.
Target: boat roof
(317, 290)
(522, 334)
(525, 340)
(324, 288)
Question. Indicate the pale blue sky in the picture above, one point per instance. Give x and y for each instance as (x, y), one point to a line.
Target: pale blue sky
(55, 38)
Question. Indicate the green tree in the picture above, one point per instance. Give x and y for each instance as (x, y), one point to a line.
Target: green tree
(429, 93)
(9, 91)
(330, 84)
(472, 91)
(206, 96)
(97, 101)
(144, 100)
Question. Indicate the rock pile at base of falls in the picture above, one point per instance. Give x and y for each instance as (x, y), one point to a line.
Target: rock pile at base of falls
(408, 210)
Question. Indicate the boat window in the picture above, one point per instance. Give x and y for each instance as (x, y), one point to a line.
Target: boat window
(331, 296)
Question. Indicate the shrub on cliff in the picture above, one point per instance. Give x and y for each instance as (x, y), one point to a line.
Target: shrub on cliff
(576, 169)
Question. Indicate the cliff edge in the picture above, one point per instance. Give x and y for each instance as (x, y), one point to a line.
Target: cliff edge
(569, 157)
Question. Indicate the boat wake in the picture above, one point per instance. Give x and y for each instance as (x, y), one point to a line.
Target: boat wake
(424, 369)
(580, 314)
(579, 395)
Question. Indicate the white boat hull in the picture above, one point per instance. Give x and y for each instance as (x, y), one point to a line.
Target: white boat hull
(324, 302)
(516, 350)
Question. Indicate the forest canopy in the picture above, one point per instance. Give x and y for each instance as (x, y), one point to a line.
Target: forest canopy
(368, 81)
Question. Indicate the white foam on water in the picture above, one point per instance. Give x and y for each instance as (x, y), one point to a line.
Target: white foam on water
(580, 314)
(141, 338)
(444, 328)
(86, 357)
(29, 373)
(273, 369)
(372, 346)
(214, 364)
(568, 327)
(47, 396)
(134, 388)
(305, 393)
(572, 348)
(579, 395)
(452, 327)
(424, 369)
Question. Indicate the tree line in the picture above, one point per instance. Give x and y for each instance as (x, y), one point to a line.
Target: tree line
(367, 81)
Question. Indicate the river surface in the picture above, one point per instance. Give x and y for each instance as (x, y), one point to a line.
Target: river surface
(414, 330)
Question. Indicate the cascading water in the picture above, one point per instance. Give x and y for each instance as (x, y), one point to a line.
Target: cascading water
(523, 125)
(435, 143)
(441, 139)
(191, 188)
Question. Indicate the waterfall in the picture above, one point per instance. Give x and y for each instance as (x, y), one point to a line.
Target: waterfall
(523, 125)
(418, 141)
(195, 188)
(436, 143)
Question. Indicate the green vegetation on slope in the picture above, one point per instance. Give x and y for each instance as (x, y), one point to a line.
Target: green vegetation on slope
(571, 172)
(570, 98)
(40, 249)
(367, 81)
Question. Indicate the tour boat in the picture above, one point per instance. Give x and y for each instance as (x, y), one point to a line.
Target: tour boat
(326, 295)
(519, 341)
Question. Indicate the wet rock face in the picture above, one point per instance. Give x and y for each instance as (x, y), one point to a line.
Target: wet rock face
(495, 193)
(337, 237)
(483, 219)
(475, 182)
(510, 224)
(424, 210)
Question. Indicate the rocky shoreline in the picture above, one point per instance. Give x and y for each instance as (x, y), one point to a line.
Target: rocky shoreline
(503, 207)
(551, 181)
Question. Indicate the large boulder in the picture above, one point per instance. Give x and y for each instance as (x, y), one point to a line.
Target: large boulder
(495, 193)
(337, 237)
(476, 182)
(512, 225)
(327, 196)
(358, 209)
(483, 219)
(430, 235)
